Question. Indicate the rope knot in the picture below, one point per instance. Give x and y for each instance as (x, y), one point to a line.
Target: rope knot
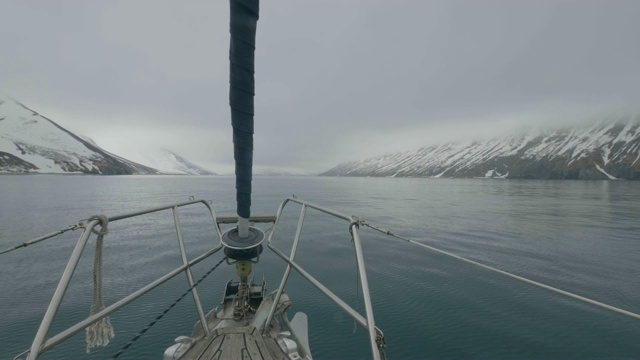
(355, 222)
(100, 332)
(104, 221)
(381, 343)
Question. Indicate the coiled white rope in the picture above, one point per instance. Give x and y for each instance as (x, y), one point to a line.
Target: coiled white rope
(559, 291)
(100, 332)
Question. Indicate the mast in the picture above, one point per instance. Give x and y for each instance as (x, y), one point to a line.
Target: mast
(244, 19)
(242, 244)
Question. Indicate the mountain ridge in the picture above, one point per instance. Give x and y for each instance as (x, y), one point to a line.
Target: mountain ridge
(603, 150)
(33, 143)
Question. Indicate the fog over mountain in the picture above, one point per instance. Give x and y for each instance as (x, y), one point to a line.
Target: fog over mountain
(336, 81)
(33, 143)
(606, 149)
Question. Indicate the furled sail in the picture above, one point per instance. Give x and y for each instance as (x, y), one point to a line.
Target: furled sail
(244, 19)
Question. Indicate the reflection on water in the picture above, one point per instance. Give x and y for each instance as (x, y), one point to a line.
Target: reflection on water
(577, 235)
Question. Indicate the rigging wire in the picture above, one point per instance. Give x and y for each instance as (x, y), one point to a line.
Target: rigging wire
(141, 332)
(42, 238)
(532, 282)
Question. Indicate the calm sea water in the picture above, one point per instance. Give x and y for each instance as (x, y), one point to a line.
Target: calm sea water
(580, 236)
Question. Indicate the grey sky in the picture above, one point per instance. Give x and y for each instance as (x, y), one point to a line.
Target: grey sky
(335, 80)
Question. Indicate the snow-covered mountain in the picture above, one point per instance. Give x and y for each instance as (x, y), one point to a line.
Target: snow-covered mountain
(167, 162)
(607, 149)
(272, 171)
(30, 142)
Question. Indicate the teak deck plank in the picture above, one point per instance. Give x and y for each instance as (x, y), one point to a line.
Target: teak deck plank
(236, 344)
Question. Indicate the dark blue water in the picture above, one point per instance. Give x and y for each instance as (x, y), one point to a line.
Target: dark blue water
(580, 236)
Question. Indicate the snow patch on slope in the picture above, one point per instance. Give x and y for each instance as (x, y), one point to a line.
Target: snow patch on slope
(30, 142)
(166, 161)
(562, 153)
(29, 136)
(611, 177)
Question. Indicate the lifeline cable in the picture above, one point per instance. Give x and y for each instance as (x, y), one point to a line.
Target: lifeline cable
(42, 238)
(559, 291)
(139, 334)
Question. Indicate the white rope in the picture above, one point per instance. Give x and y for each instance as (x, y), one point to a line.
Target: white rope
(100, 332)
(559, 291)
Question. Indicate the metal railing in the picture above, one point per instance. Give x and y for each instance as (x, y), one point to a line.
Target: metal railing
(366, 322)
(41, 344)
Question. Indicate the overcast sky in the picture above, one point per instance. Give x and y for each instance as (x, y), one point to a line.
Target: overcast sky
(335, 80)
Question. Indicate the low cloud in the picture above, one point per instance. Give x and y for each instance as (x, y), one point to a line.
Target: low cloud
(335, 80)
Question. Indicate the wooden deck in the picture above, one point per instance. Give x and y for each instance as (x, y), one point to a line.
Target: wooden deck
(238, 343)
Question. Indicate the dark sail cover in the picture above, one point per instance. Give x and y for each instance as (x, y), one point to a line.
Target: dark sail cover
(244, 19)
